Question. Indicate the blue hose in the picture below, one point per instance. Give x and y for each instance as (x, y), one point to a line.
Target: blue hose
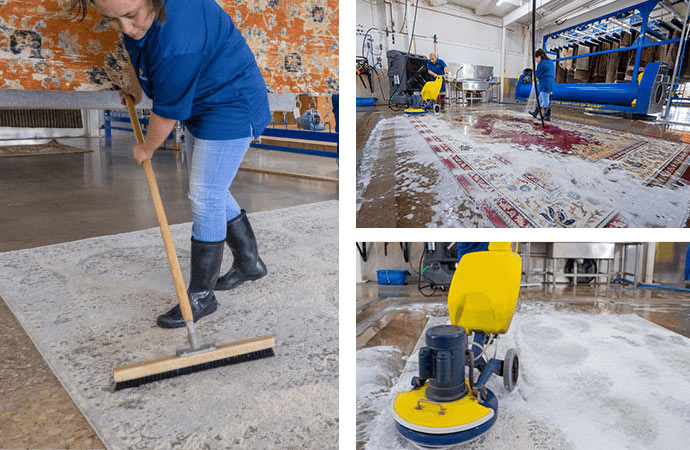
(650, 286)
(507, 103)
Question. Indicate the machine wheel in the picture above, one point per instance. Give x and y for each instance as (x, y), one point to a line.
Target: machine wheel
(511, 369)
(437, 108)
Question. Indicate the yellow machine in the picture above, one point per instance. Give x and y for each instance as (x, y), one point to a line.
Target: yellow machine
(446, 408)
(484, 291)
(429, 94)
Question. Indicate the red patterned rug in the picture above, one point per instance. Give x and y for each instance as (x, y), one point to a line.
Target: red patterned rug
(653, 161)
(568, 175)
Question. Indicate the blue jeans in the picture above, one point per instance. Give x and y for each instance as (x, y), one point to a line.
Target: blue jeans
(544, 98)
(212, 166)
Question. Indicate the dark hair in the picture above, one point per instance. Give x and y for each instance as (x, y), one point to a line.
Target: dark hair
(78, 9)
(541, 54)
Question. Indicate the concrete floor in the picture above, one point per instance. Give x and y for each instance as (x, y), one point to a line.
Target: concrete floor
(386, 205)
(52, 199)
(392, 315)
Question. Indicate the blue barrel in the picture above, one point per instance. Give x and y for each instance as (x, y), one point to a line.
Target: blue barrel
(621, 94)
(366, 101)
(522, 89)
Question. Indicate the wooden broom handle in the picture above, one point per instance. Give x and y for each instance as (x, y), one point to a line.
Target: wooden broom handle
(162, 220)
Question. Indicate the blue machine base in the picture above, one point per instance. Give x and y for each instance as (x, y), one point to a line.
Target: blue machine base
(415, 113)
(446, 440)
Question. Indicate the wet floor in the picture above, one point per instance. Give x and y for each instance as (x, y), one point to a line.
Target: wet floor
(59, 198)
(379, 306)
(384, 180)
(368, 117)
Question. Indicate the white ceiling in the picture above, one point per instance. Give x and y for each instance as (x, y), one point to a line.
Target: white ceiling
(484, 7)
(549, 11)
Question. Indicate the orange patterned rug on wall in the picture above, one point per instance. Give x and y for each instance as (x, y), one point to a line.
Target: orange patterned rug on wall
(295, 43)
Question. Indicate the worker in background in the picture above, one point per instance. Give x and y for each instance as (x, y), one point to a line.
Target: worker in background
(470, 247)
(437, 67)
(546, 75)
(196, 66)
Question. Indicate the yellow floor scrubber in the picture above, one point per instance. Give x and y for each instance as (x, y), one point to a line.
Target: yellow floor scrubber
(429, 94)
(446, 407)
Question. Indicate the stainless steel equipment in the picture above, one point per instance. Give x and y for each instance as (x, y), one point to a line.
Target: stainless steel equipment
(598, 251)
(472, 82)
(581, 250)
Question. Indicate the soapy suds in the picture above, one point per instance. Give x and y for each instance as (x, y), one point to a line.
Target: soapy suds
(586, 381)
(581, 192)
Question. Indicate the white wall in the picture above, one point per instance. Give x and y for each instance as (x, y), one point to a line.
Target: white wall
(463, 38)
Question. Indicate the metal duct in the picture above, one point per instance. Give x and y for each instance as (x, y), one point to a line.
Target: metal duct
(41, 118)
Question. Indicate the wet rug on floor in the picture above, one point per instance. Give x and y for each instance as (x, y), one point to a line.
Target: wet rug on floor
(512, 194)
(51, 148)
(90, 306)
(586, 381)
(508, 172)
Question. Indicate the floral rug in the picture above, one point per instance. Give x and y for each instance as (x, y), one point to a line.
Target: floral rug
(567, 175)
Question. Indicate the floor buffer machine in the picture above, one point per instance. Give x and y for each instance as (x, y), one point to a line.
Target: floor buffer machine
(426, 101)
(448, 405)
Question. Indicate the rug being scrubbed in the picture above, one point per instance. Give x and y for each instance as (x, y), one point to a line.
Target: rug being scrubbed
(506, 171)
(522, 195)
(90, 306)
(587, 381)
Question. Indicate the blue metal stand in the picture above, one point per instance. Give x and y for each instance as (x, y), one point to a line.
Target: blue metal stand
(114, 117)
(644, 97)
(111, 116)
(321, 136)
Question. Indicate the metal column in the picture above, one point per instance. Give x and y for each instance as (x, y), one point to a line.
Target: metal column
(681, 47)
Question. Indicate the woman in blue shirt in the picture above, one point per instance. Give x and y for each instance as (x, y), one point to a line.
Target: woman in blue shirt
(192, 61)
(546, 74)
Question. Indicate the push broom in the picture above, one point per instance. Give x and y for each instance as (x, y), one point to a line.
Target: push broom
(196, 357)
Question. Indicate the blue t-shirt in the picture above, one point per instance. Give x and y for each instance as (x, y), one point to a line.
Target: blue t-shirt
(471, 247)
(197, 68)
(546, 75)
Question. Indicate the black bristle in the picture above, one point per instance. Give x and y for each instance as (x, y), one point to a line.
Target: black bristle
(266, 353)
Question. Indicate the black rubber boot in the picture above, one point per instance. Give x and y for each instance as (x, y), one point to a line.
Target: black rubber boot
(547, 114)
(534, 113)
(246, 264)
(206, 259)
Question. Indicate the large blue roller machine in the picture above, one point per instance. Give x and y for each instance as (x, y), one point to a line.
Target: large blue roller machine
(648, 91)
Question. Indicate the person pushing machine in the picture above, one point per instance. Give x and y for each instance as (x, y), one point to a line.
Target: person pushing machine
(437, 67)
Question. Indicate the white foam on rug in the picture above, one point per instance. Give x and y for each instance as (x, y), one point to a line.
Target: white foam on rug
(411, 148)
(587, 381)
(593, 182)
(90, 306)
